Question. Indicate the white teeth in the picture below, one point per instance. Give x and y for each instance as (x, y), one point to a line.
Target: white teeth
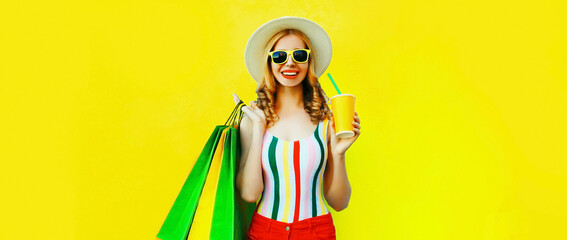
(289, 73)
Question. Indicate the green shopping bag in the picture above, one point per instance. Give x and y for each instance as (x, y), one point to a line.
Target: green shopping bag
(231, 215)
(208, 206)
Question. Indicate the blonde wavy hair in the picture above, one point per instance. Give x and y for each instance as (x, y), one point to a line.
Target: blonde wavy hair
(314, 98)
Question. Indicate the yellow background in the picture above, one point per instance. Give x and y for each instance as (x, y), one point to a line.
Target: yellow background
(105, 106)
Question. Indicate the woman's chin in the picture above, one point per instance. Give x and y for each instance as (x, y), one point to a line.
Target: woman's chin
(289, 82)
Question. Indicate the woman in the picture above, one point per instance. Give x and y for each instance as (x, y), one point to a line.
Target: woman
(290, 156)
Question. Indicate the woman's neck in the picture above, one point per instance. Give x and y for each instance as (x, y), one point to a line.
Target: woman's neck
(289, 99)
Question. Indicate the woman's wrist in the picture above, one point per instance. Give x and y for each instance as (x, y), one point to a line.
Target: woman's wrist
(339, 156)
(259, 132)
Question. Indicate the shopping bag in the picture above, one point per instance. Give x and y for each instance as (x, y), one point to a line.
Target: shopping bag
(202, 221)
(232, 215)
(208, 205)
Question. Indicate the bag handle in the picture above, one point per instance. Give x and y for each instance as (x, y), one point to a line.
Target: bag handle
(236, 115)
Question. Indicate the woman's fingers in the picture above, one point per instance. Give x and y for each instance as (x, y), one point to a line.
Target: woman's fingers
(356, 122)
(249, 112)
(255, 115)
(356, 125)
(255, 107)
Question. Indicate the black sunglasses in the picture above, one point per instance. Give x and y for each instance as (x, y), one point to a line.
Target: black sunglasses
(298, 55)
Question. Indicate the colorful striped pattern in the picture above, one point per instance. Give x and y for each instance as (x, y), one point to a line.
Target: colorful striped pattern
(293, 176)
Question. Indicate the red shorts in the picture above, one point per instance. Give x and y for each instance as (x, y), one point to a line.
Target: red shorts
(320, 227)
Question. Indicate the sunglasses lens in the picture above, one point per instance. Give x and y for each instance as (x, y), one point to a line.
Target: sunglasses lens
(300, 55)
(279, 57)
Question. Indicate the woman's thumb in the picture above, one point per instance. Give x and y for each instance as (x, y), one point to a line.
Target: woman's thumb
(235, 98)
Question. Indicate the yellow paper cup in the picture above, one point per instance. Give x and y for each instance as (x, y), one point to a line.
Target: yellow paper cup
(343, 114)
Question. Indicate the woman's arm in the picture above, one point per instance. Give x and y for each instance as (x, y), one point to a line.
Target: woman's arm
(336, 185)
(249, 180)
(335, 180)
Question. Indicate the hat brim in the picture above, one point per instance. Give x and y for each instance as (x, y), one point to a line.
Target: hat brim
(254, 52)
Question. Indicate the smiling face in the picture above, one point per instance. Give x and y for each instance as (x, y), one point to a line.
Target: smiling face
(290, 73)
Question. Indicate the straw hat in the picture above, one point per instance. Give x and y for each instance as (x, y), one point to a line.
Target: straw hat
(254, 53)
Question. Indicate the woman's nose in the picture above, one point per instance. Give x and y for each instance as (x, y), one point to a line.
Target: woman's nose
(290, 61)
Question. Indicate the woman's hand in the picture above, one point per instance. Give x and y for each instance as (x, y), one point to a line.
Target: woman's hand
(340, 145)
(255, 114)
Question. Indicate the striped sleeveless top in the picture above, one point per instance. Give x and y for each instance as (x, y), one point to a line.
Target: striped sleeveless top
(293, 176)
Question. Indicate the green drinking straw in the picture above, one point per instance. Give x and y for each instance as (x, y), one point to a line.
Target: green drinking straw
(334, 84)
